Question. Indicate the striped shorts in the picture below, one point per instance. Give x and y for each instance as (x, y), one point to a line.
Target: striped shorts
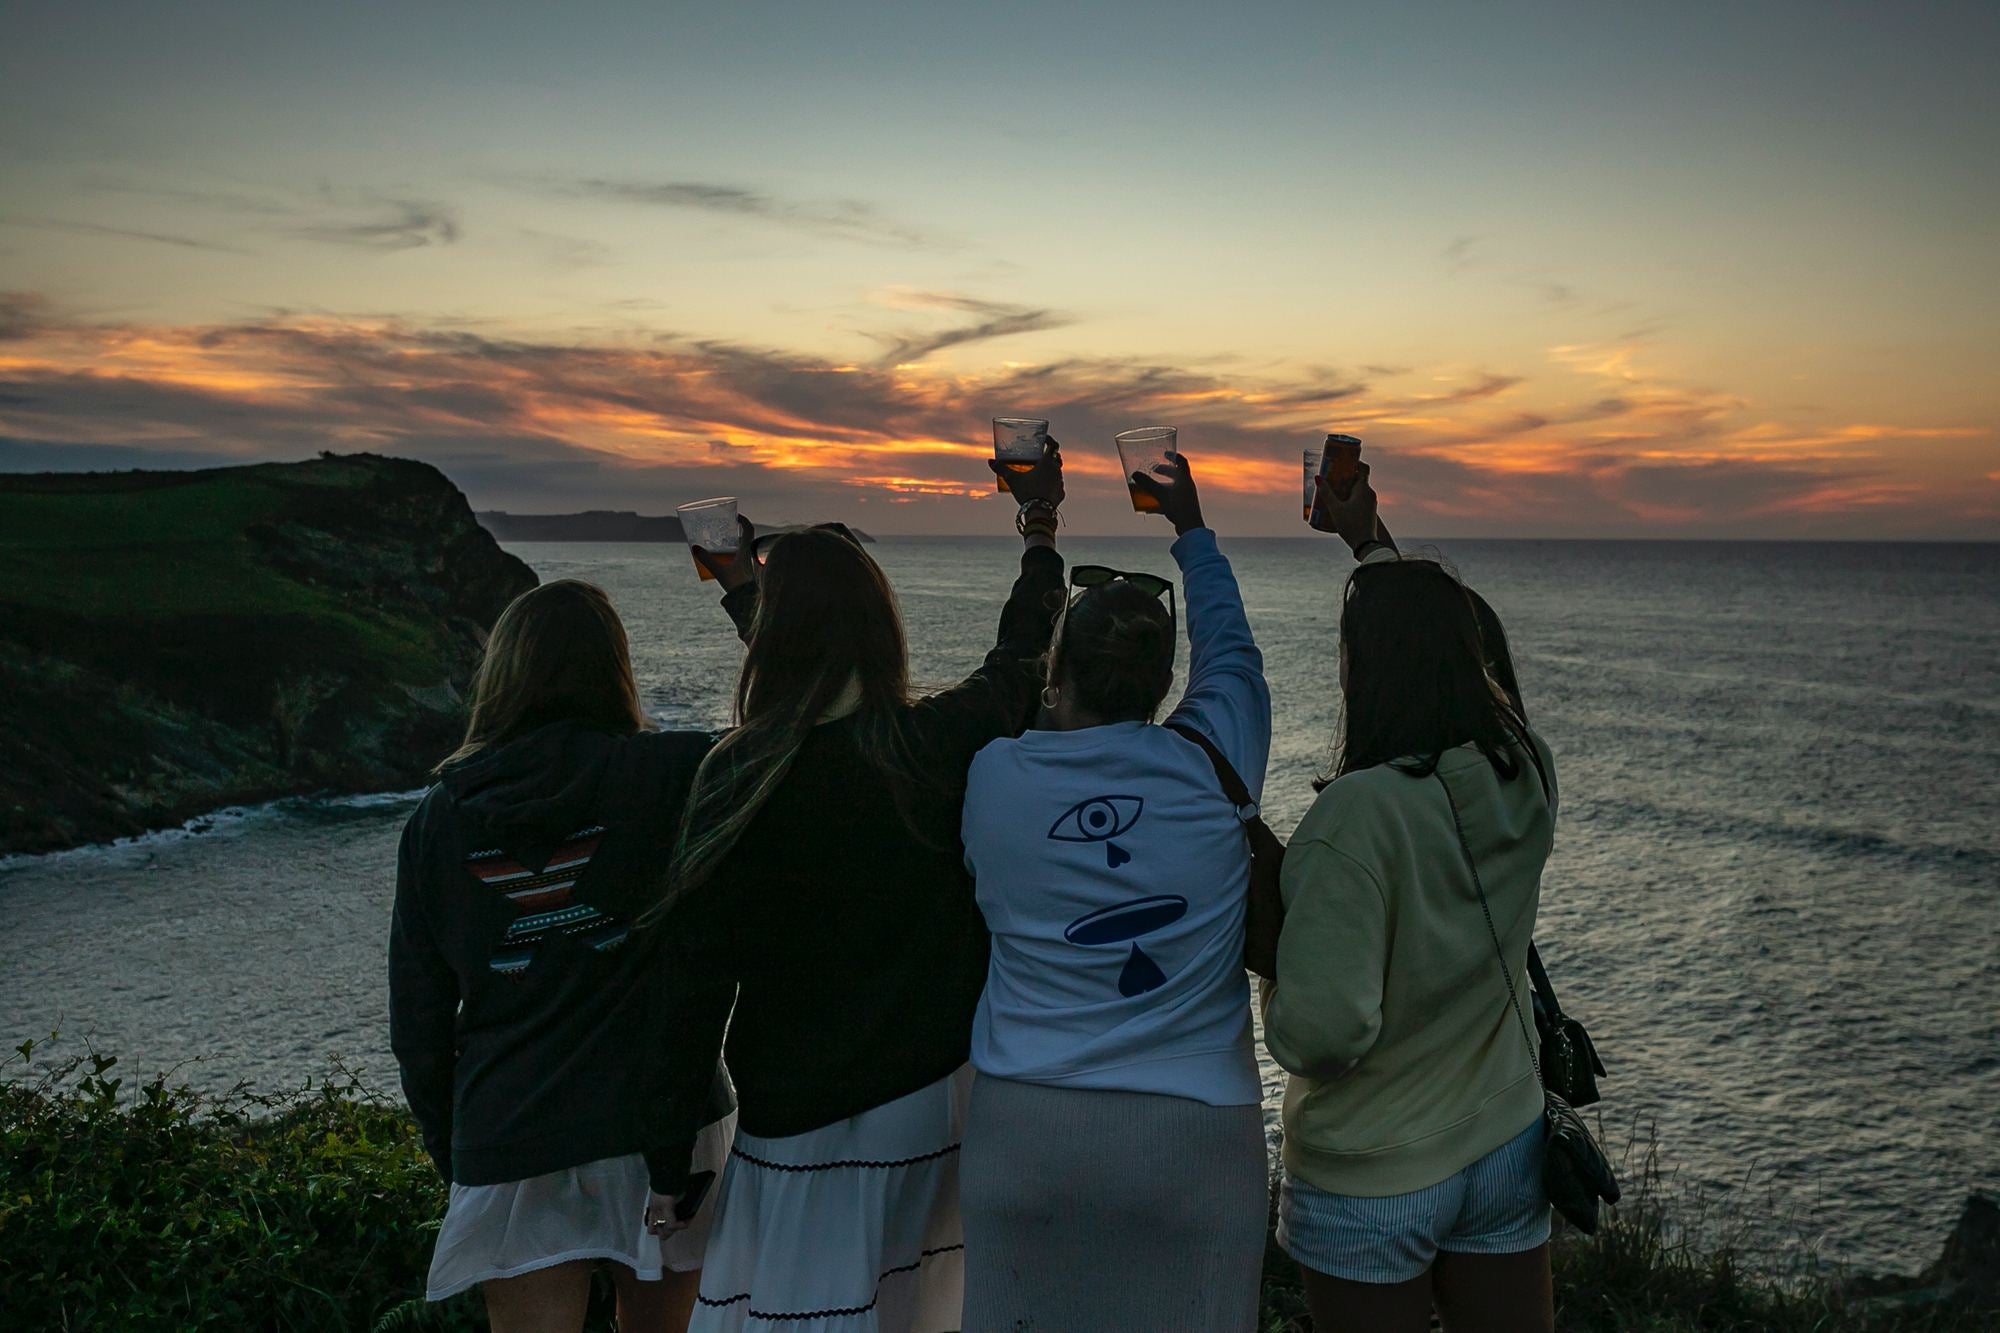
(1495, 1206)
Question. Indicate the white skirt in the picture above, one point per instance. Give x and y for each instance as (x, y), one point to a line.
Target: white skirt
(593, 1211)
(852, 1228)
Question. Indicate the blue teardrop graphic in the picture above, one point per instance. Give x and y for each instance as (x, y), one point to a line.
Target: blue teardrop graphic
(1141, 974)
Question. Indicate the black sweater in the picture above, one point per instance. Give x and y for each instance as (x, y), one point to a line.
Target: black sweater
(535, 1027)
(858, 947)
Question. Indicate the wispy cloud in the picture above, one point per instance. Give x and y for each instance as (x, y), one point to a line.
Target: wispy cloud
(78, 227)
(21, 314)
(386, 224)
(847, 219)
(1487, 385)
(351, 216)
(992, 319)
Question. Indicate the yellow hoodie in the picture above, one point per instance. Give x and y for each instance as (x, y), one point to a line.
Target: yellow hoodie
(1390, 1009)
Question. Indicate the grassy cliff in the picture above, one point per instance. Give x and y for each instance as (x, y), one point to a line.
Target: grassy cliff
(171, 642)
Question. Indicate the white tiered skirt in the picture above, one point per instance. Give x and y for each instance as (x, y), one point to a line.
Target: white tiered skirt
(852, 1228)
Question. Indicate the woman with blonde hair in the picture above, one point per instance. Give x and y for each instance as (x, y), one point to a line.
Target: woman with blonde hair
(560, 1062)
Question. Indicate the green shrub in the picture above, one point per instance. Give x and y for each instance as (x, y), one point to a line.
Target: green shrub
(163, 1208)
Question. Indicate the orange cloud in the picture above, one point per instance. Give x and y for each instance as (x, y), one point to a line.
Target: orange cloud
(1594, 441)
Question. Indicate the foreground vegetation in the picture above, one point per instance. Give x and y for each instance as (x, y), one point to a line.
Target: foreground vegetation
(161, 1208)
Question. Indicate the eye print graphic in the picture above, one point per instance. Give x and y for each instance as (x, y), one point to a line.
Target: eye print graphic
(1099, 819)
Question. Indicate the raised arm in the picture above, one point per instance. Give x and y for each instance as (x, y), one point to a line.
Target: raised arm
(998, 699)
(423, 1010)
(1355, 520)
(1227, 698)
(738, 578)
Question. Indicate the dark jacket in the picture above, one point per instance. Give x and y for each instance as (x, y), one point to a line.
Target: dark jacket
(537, 1028)
(855, 938)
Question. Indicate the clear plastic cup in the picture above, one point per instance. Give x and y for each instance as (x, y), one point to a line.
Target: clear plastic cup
(1019, 442)
(1145, 451)
(1312, 481)
(711, 525)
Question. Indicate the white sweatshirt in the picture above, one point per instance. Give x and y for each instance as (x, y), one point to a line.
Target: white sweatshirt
(1112, 871)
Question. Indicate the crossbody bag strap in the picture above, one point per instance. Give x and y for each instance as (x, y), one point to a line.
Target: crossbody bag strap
(1232, 782)
(1506, 973)
(1539, 976)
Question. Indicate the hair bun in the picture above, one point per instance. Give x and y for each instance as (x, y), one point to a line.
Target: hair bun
(1117, 652)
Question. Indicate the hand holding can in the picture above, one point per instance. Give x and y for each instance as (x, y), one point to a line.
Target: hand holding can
(1339, 466)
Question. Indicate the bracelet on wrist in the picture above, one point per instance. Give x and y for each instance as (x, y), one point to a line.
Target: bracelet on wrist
(1036, 513)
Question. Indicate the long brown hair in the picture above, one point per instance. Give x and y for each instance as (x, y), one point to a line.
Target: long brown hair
(557, 654)
(826, 618)
(1115, 649)
(1418, 680)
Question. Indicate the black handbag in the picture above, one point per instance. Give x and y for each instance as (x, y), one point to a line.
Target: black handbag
(1570, 1067)
(1264, 914)
(1576, 1174)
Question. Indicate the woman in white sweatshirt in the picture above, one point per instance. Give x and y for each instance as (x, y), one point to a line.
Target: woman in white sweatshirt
(1114, 1166)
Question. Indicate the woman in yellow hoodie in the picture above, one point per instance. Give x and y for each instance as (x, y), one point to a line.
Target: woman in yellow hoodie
(1413, 1133)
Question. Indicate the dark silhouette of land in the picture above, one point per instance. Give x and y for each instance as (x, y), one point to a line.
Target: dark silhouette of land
(174, 642)
(596, 525)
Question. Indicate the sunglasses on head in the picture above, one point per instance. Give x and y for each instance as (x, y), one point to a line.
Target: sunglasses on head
(1087, 577)
(760, 550)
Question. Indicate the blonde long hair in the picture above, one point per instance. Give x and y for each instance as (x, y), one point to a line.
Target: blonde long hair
(558, 653)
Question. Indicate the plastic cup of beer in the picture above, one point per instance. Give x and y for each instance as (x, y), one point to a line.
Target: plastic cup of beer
(1312, 481)
(1018, 442)
(711, 525)
(1145, 451)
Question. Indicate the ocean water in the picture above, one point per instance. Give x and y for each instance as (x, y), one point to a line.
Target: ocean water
(1775, 896)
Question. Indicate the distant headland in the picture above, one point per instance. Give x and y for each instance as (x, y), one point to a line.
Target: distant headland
(597, 525)
(174, 642)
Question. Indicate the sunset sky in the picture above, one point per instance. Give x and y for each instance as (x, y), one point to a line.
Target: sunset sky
(1568, 269)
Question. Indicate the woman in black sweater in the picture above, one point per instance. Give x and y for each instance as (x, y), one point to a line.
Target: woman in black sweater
(821, 865)
(559, 1063)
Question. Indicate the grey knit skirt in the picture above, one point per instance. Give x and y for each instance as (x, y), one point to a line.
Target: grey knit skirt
(1089, 1211)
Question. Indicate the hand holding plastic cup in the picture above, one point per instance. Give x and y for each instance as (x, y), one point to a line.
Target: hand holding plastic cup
(711, 525)
(1018, 442)
(1146, 451)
